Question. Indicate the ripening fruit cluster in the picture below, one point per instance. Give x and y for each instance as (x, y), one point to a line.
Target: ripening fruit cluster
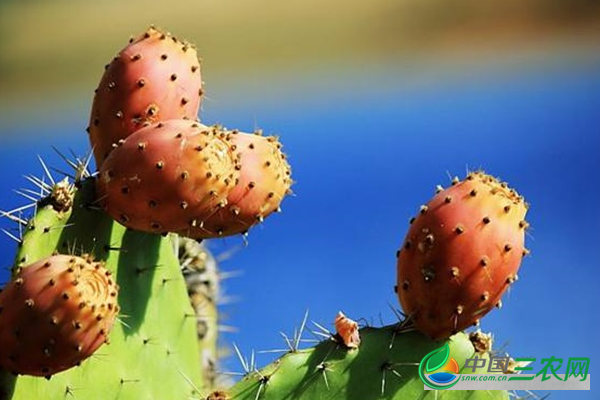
(160, 169)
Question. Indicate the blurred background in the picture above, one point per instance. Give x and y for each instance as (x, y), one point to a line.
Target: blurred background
(376, 102)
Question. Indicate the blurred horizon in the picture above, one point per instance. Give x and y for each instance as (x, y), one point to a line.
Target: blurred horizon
(52, 52)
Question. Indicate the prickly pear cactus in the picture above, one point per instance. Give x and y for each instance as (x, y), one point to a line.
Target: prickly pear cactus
(152, 350)
(385, 366)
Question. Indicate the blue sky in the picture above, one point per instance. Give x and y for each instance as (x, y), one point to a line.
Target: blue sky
(364, 159)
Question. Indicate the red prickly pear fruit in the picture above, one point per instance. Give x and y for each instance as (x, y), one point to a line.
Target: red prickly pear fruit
(461, 253)
(155, 78)
(54, 314)
(168, 176)
(263, 183)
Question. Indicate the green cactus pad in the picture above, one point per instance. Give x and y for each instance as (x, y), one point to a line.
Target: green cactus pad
(153, 352)
(385, 366)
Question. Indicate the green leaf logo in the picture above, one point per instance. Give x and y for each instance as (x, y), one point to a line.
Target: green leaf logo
(437, 358)
(432, 362)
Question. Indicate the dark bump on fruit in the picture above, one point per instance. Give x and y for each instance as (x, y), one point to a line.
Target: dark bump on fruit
(423, 209)
(119, 114)
(428, 273)
(96, 122)
(125, 190)
(155, 225)
(111, 85)
(184, 101)
(523, 224)
(152, 204)
(410, 221)
(473, 193)
(136, 57)
(459, 229)
(163, 57)
(448, 199)
(485, 296)
(405, 285)
(173, 77)
(29, 303)
(184, 175)
(141, 83)
(408, 244)
(160, 165)
(183, 205)
(507, 208)
(486, 220)
(507, 247)
(484, 261)
(251, 184)
(429, 239)
(65, 296)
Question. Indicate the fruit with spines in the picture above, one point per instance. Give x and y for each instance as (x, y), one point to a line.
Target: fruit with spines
(168, 176)
(461, 253)
(264, 180)
(153, 349)
(155, 77)
(55, 313)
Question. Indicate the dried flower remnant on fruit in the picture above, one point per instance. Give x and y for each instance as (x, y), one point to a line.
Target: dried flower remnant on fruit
(347, 331)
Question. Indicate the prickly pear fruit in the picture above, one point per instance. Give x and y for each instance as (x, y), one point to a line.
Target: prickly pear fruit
(55, 313)
(263, 183)
(168, 176)
(461, 253)
(155, 78)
